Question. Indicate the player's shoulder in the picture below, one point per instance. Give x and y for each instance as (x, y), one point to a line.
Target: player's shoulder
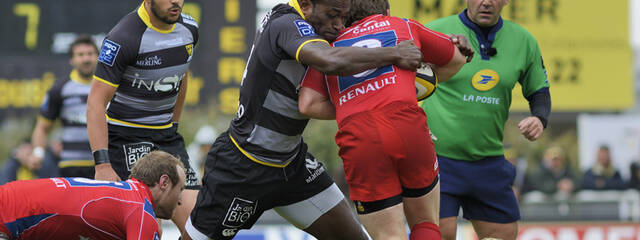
(283, 16)
(128, 30)
(58, 85)
(188, 20)
(517, 30)
(445, 21)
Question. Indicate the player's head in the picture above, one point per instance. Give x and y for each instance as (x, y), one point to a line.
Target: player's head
(554, 158)
(363, 8)
(604, 156)
(485, 13)
(167, 11)
(164, 174)
(326, 16)
(84, 56)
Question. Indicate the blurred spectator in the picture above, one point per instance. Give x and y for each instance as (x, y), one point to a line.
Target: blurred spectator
(634, 169)
(20, 166)
(521, 169)
(554, 176)
(200, 146)
(603, 175)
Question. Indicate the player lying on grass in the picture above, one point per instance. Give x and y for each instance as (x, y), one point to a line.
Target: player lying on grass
(81, 208)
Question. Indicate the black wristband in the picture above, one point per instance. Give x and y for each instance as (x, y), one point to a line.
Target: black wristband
(101, 156)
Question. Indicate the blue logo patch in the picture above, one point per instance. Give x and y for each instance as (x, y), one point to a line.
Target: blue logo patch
(109, 52)
(305, 29)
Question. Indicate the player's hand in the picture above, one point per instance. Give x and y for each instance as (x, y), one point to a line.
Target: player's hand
(105, 172)
(531, 128)
(33, 162)
(410, 55)
(462, 43)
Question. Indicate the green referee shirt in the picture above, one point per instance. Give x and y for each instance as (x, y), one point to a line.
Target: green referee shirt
(467, 114)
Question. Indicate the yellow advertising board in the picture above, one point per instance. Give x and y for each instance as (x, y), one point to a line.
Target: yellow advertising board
(584, 43)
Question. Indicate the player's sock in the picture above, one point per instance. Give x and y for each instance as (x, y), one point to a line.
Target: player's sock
(425, 231)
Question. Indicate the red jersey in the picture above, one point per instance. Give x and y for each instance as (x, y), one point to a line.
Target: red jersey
(77, 208)
(375, 88)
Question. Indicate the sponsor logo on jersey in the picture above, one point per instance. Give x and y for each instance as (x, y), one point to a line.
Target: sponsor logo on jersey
(481, 99)
(229, 232)
(150, 61)
(189, 48)
(364, 88)
(109, 52)
(165, 84)
(485, 80)
(305, 29)
(134, 151)
(314, 167)
(369, 26)
(239, 212)
(155, 236)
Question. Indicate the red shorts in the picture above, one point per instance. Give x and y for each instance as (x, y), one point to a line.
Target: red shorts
(387, 150)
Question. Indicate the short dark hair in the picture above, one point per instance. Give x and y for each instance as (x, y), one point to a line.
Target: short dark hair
(363, 8)
(82, 39)
(151, 167)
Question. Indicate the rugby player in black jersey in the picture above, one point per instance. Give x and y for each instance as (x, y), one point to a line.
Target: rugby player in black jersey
(142, 76)
(261, 162)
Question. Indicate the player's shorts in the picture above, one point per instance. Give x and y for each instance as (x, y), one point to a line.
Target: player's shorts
(482, 188)
(85, 172)
(236, 191)
(127, 145)
(387, 154)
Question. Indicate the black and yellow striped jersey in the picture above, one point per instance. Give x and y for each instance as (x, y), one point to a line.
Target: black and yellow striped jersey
(146, 65)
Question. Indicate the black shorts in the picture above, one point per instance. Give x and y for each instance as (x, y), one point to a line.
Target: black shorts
(127, 145)
(236, 191)
(85, 172)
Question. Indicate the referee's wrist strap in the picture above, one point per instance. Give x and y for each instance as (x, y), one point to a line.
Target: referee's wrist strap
(101, 156)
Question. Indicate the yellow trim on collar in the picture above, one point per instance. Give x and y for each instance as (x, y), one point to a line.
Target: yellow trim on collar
(105, 81)
(296, 5)
(130, 124)
(75, 76)
(305, 43)
(246, 154)
(144, 15)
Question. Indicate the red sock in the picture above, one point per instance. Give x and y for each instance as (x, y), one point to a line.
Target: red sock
(425, 231)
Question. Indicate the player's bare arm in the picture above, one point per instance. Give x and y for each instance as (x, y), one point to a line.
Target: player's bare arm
(177, 110)
(99, 96)
(315, 105)
(445, 72)
(351, 60)
(39, 141)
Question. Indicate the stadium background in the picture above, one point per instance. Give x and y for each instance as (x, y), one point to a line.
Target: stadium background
(589, 50)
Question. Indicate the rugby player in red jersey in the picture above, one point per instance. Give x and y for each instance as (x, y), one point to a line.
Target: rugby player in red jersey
(389, 159)
(81, 208)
